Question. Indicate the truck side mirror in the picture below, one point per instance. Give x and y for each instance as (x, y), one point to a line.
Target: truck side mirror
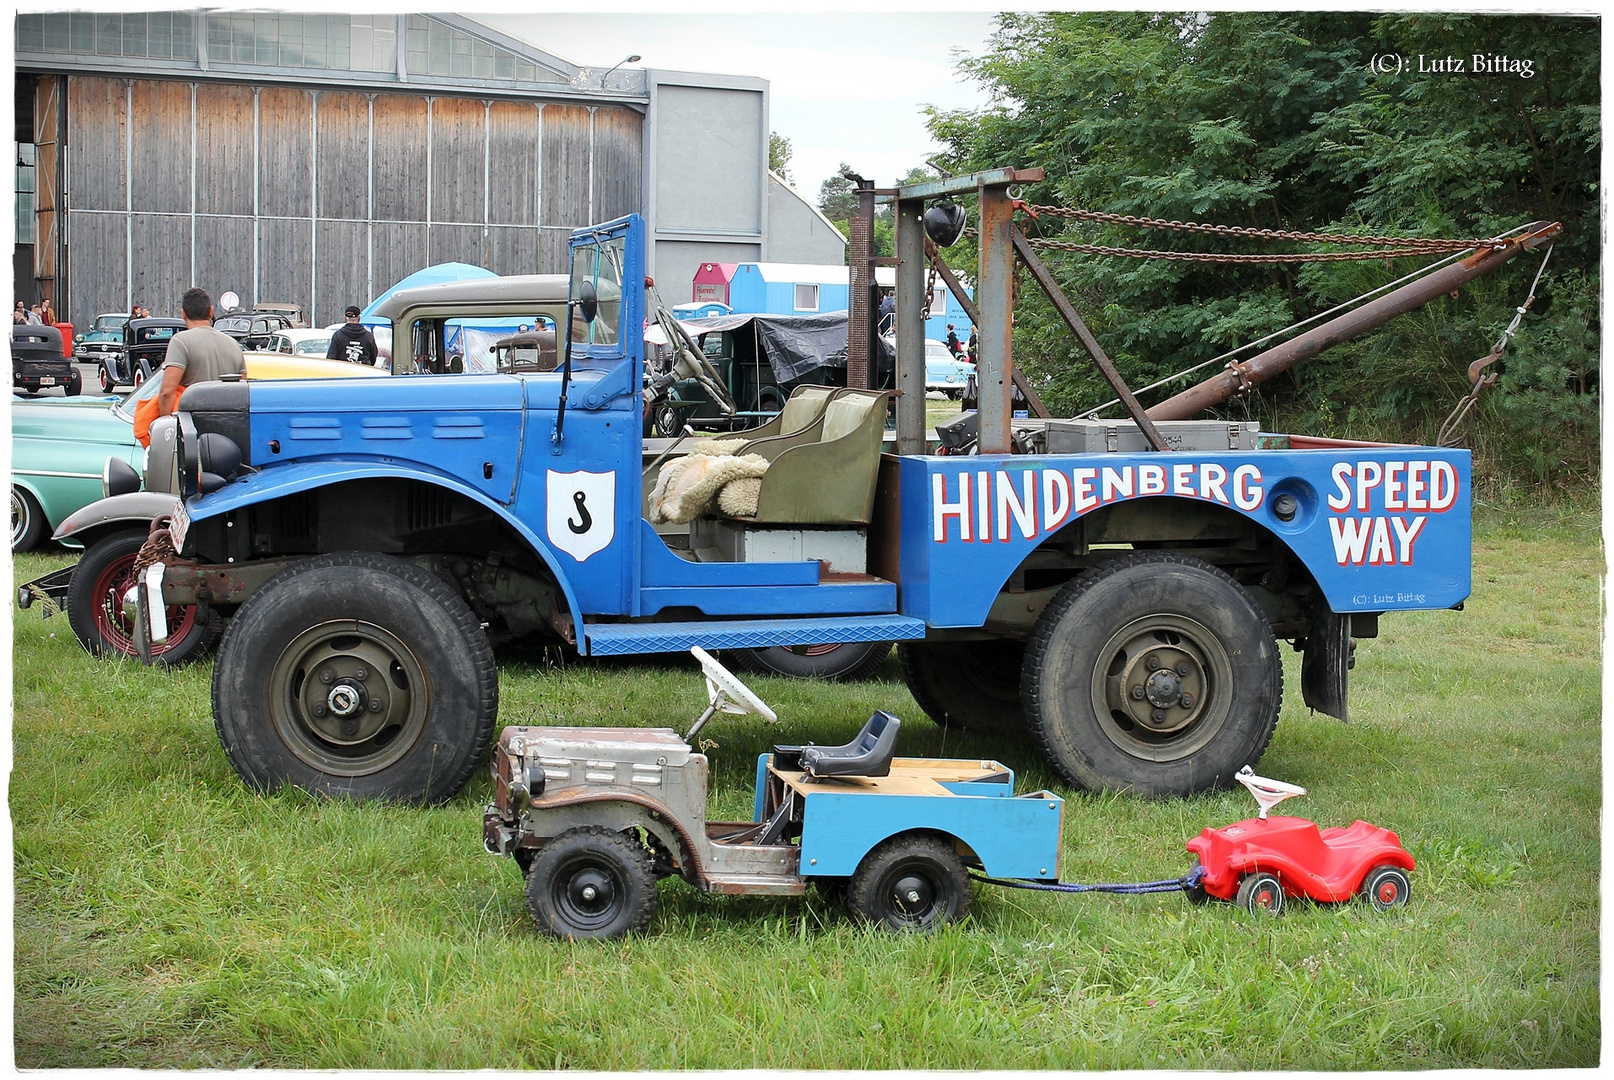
(588, 301)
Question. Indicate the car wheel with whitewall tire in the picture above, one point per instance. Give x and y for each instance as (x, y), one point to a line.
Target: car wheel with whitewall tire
(845, 662)
(95, 608)
(591, 883)
(910, 882)
(968, 685)
(356, 675)
(103, 375)
(1154, 673)
(1261, 894)
(1386, 887)
(27, 520)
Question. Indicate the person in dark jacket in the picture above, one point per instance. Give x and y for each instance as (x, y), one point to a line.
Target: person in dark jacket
(954, 346)
(352, 341)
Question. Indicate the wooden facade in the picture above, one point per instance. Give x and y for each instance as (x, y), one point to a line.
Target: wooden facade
(322, 197)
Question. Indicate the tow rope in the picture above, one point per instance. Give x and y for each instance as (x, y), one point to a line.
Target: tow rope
(1183, 884)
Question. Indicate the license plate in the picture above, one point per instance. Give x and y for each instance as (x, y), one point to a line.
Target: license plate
(178, 525)
(47, 380)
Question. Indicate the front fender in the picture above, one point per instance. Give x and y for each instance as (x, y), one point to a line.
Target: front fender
(135, 506)
(296, 477)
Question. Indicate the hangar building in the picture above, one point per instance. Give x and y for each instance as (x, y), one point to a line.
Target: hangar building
(319, 158)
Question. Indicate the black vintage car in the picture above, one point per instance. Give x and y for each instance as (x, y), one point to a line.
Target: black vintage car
(145, 343)
(37, 361)
(252, 329)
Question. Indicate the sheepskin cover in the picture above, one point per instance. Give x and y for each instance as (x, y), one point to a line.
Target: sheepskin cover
(688, 486)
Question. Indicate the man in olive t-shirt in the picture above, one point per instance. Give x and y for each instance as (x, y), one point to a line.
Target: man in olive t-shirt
(197, 353)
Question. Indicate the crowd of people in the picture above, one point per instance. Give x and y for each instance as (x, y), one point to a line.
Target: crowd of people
(39, 314)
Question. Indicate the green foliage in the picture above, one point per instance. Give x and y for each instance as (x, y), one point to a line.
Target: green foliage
(838, 201)
(779, 156)
(1279, 121)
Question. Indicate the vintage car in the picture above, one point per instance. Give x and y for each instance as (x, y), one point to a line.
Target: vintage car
(300, 342)
(145, 344)
(38, 362)
(59, 445)
(527, 352)
(104, 336)
(944, 371)
(292, 312)
(252, 329)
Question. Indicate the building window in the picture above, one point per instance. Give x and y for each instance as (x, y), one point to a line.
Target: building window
(806, 297)
(157, 35)
(938, 302)
(435, 48)
(25, 193)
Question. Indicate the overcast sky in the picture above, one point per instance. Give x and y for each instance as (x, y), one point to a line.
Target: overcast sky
(843, 86)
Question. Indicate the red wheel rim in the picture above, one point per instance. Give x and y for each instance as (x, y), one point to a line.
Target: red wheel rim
(1263, 898)
(115, 579)
(1388, 890)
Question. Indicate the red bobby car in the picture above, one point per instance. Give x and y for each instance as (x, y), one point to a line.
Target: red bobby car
(1261, 860)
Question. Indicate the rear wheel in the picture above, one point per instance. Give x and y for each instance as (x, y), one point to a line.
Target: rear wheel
(846, 662)
(591, 883)
(27, 520)
(1155, 673)
(95, 606)
(1386, 887)
(75, 384)
(910, 882)
(968, 685)
(356, 675)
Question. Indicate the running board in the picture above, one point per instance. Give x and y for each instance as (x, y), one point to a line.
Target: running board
(621, 639)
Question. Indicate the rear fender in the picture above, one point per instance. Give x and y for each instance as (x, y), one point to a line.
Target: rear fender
(297, 477)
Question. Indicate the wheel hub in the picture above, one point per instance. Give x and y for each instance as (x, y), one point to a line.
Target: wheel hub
(591, 891)
(348, 700)
(912, 894)
(1164, 684)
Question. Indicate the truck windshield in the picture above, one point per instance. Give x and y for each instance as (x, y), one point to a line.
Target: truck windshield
(600, 263)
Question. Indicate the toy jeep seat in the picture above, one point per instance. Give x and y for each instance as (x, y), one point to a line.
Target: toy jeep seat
(826, 474)
(867, 755)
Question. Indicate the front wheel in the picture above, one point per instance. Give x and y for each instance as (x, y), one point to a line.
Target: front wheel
(845, 662)
(910, 882)
(1261, 894)
(95, 606)
(27, 520)
(103, 375)
(591, 883)
(1155, 673)
(356, 675)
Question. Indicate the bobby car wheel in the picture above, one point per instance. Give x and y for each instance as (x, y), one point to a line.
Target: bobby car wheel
(95, 606)
(1261, 894)
(591, 882)
(846, 662)
(1386, 887)
(910, 882)
(356, 675)
(968, 685)
(1155, 673)
(27, 520)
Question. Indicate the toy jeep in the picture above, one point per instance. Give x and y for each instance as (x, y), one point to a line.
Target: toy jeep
(594, 816)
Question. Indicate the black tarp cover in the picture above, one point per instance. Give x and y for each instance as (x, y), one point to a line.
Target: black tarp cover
(793, 344)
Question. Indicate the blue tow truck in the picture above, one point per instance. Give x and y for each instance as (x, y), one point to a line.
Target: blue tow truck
(1116, 587)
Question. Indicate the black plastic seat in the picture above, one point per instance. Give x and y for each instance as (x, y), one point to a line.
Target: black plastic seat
(867, 755)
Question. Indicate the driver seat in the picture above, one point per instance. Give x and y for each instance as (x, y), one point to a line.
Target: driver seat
(867, 755)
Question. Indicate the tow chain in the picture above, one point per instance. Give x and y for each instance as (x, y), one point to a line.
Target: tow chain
(158, 547)
(1394, 247)
(1481, 379)
(1182, 884)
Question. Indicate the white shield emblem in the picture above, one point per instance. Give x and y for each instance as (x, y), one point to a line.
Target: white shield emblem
(582, 511)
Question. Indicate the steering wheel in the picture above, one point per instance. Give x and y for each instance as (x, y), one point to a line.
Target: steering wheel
(727, 693)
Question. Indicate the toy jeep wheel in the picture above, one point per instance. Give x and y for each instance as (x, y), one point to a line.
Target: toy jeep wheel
(910, 882)
(969, 685)
(848, 661)
(1386, 887)
(1261, 894)
(1155, 673)
(591, 883)
(356, 675)
(95, 606)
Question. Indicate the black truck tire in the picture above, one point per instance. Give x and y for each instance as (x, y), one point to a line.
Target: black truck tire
(846, 662)
(356, 675)
(1154, 673)
(969, 685)
(95, 606)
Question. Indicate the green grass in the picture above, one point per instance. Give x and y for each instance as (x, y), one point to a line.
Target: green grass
(165, 916)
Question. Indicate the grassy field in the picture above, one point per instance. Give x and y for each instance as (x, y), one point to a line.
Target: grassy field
(165, 916)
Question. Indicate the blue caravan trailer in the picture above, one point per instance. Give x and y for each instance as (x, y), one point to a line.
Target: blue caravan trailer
(762, 288)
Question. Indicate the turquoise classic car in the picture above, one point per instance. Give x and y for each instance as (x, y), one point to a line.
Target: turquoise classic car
(60, 445)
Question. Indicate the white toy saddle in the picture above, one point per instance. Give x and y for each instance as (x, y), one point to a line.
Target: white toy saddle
(1268, 793)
